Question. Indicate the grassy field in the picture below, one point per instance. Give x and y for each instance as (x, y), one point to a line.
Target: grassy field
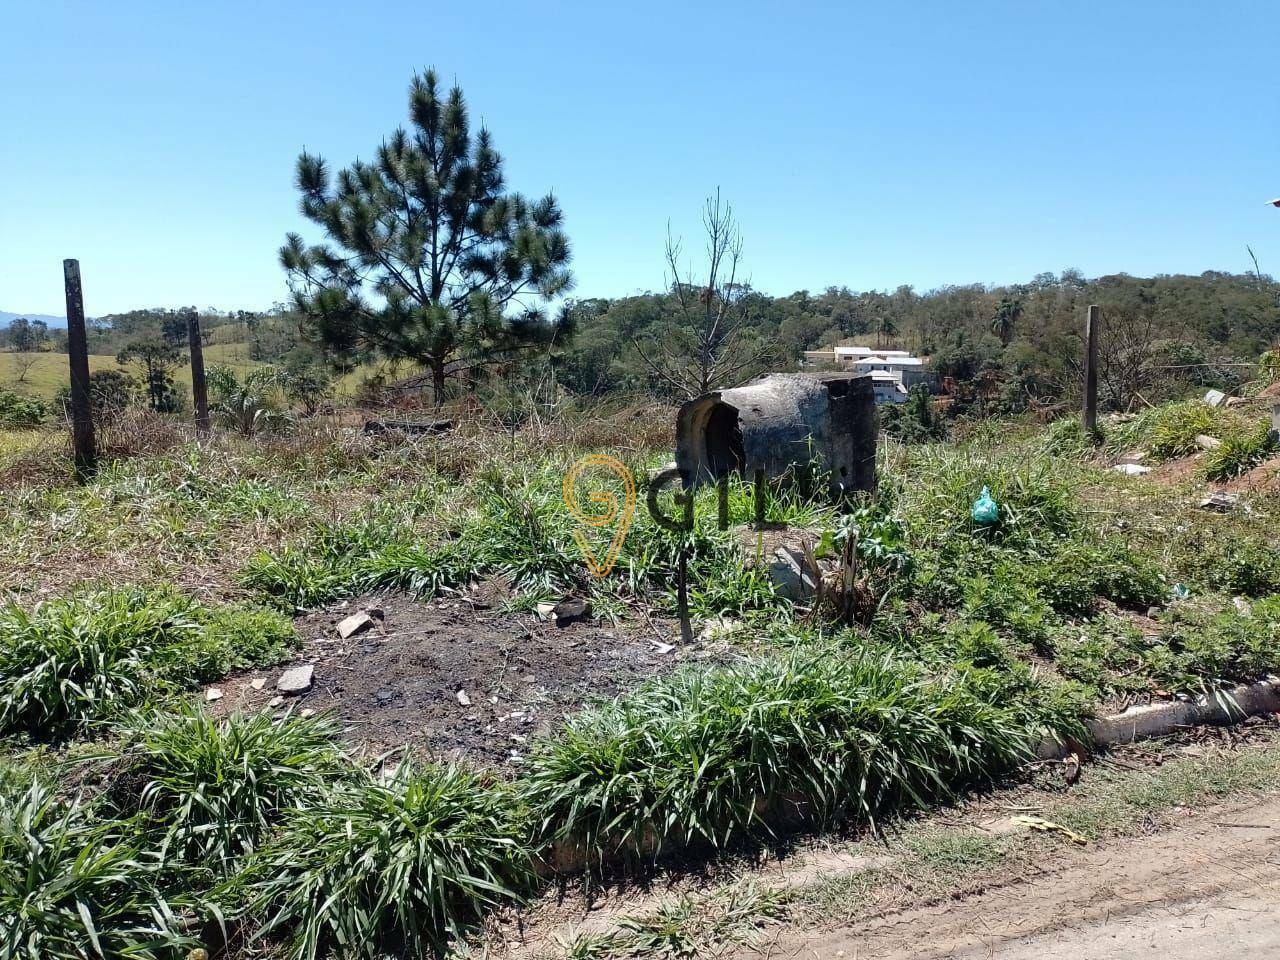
(49, 372)
(939, 652)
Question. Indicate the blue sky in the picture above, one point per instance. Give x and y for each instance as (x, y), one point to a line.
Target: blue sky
(868, 145)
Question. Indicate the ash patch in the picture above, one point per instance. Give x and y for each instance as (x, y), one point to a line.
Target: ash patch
(458, 678)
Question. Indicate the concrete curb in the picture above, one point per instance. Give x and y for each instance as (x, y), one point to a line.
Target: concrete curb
(1160, 719)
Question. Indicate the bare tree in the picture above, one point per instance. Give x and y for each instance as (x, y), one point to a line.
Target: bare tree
(1128, 351)
(705, 348)
(22, 364)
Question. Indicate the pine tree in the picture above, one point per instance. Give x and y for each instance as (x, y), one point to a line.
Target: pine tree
(429, 258)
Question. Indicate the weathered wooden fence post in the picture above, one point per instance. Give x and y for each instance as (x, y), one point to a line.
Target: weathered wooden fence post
(1090, 417)
(199, 388)
(78, 354)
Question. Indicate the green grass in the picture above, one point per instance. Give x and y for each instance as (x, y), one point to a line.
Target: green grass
(50, 372)
(210, 790)
(971, 653)
(71, 887)
(389, 866)
(69, 663)
(711, 756)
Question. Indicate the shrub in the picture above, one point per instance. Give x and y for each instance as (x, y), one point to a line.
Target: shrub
(71, 662)
(1240, 452)
(1165, 432)
(1077, 576)
(914, 420)
(1067, 437)
(20, 411)
(1239, 564)
(1194, 649)
(396, 866)
(70, 889)
(212, 789)
(110, 393)
(705, 755)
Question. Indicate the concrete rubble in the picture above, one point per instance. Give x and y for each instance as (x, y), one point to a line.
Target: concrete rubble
(296, 680)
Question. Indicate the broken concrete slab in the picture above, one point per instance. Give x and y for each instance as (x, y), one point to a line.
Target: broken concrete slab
(1215, 398)
(296, 680)
(359, 622)
(790, 572)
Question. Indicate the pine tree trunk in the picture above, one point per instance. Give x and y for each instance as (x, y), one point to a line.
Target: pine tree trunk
(437, 381)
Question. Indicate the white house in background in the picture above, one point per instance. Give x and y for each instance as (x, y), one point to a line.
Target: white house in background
(887, 387)
(893, 372)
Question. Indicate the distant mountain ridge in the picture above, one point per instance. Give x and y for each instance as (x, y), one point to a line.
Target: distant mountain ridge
(7, 318)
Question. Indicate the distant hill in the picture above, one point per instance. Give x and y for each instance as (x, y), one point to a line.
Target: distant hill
(7, 318)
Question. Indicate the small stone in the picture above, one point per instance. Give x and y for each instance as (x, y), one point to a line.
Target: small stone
(275, 702)
(356, 623)
(258, 683)
(1131, 469)
(662, 648)
(1243, 607)
(463, 698)
(1215, 398)
(385, 696)
(1206, 442)
(571, 611)
(546, 610)
(296, 680)
(212, 694)
(306, 713)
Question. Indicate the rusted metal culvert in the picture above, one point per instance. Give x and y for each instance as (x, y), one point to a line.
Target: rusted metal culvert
(779, 423)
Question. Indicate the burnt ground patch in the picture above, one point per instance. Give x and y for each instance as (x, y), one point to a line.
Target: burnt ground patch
(458, 677)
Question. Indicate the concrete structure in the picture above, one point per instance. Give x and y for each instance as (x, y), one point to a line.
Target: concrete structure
(781, 422)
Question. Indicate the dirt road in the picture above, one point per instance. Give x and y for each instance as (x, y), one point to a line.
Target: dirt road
(1208, 889)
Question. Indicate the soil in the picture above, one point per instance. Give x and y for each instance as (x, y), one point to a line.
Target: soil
(1207, 888)
(1264, 478)
(459, 677)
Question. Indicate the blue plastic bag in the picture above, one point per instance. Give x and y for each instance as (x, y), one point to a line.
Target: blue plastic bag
(985, 510)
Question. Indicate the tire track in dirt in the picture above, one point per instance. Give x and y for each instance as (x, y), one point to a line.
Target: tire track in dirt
(1209, 888)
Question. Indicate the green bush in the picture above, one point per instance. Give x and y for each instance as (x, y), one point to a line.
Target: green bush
(1195, 649)
(1240, 452)
(1239, 564)
(71, 889)
(1077, 576)
(20, 411)
(212, 789)
(703, 756)
(70, 662)
(390, 867)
